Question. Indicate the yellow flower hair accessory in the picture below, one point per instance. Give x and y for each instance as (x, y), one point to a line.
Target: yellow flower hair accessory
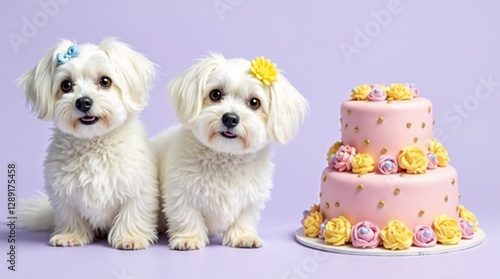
(263, 70)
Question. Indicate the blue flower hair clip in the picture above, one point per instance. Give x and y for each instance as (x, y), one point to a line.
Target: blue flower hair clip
(63, 58)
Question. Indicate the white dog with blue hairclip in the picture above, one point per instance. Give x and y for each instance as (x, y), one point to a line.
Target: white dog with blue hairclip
(100, 176)
(215, 169)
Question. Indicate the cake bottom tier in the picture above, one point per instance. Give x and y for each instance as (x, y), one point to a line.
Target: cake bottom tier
(413, 199)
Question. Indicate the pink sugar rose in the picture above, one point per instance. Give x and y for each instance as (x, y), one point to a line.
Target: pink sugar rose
(433, 161)
(343, 157)
(467, 228)
(365, 235)
(387, 164)
(377, 93)
(413, 89)
(424, 236)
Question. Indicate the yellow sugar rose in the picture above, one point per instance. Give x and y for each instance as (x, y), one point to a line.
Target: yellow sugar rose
(360, 92)
(399, 91)
(333, 149)
(312, 224)
(314, 208)
(465, 214)
(447, 230)
(441, 153)
(396, 236)
(337, 231)
(362, 163)
(413, 160)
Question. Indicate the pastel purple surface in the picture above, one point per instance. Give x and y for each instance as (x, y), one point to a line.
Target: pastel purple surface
(449, 50)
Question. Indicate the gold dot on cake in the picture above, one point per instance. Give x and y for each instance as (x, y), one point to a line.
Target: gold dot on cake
(381, 204)
(389, 100)
(408, 125)
(341, 120)
(453, 181)
(433, 121)
(423, 125)
(446, 198)
(327, 205)
(429, 110)
(324, 178)
(402, 175)
(457, 208)
(345, 126)
(397, 191)
(360, 187)
(320, 194)
(415, 139)
(421, 213)
(459, 196)
(356, 129)
(380, 119)
(384, 150)
(337, 204)
(367, 141)
(348, 112)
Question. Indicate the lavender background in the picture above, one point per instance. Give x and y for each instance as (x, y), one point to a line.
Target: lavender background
(447, 48)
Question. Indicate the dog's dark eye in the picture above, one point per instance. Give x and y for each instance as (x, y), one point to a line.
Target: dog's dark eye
(105, 82)
(254, 103)
(215, 95)
(66, 86)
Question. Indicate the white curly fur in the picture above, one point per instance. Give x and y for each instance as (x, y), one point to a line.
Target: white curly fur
(99, 178)
(210, 184)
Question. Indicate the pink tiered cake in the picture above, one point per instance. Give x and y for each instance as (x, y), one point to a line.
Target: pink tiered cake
(388, 182)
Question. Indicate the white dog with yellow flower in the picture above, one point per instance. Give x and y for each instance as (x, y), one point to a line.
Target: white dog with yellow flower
(215, 169)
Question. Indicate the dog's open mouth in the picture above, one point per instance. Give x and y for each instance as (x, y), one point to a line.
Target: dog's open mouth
(228, 135)
(88, 120)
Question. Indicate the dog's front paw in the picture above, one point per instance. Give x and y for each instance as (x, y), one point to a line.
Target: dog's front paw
(130, 243)
(244, 241)
(69, 239)
(186, 243)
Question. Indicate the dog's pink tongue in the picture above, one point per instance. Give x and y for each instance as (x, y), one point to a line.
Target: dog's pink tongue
(229, 134)
(88, 118)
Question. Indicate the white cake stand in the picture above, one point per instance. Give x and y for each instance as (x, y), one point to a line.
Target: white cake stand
(319, 244)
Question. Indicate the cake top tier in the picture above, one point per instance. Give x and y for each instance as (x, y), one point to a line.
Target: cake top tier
(386, 130)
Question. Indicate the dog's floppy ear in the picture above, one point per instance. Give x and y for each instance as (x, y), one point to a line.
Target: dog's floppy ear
(186, 91)
(134, 69)
(287, 110)
(38, 83)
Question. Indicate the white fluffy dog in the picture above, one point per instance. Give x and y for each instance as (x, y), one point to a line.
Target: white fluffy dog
(99, 171)
(215, 169)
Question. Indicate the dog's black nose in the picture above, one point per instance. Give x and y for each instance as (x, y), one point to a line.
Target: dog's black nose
(83, 104)
(230, 120)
